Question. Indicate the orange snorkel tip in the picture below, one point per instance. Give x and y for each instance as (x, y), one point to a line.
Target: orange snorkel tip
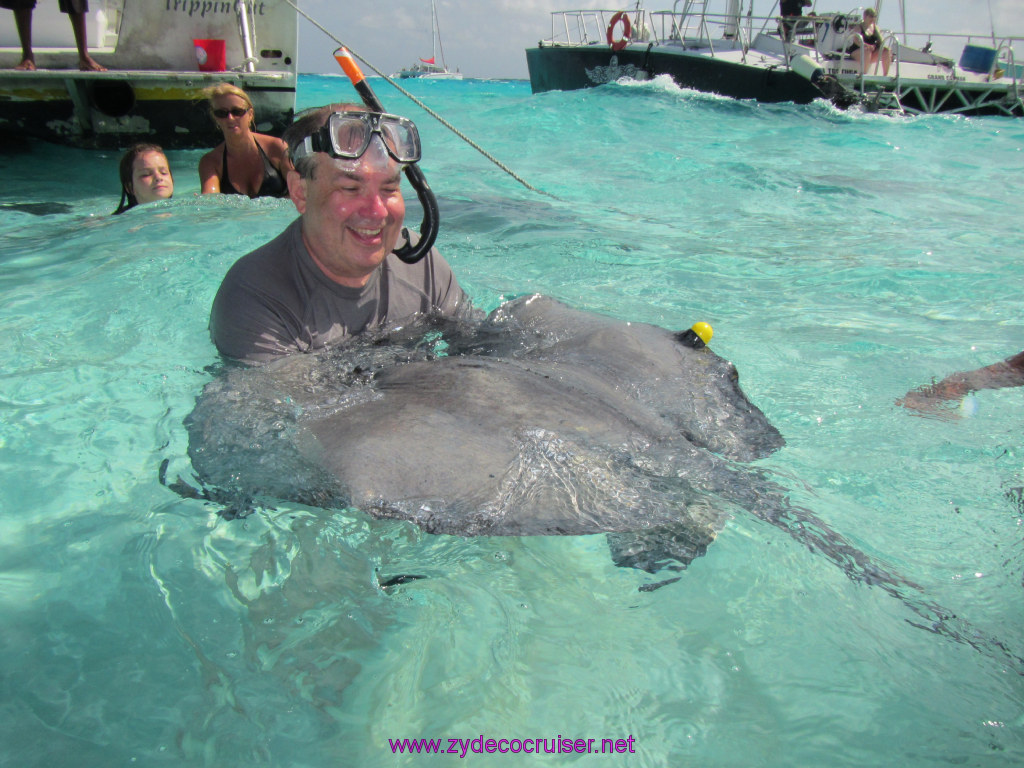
(348, 64)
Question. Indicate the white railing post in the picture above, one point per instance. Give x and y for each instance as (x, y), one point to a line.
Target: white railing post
(247, 33)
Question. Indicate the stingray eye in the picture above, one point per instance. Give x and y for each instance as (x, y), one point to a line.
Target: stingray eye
(734, 375)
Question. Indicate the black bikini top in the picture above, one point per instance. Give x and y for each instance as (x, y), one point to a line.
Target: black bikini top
(273, 184)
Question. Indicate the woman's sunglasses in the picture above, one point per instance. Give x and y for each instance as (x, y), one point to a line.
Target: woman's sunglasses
(220, 114)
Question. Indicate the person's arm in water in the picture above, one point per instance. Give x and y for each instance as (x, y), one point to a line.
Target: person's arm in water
(1008, 373)
(209, 172)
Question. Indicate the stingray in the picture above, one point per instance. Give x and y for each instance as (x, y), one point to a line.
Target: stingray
(537, 420)
(38, 209)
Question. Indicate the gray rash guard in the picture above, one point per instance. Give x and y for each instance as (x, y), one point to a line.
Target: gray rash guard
(276, 301)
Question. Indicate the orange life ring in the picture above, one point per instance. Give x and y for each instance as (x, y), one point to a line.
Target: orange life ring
(627, 28)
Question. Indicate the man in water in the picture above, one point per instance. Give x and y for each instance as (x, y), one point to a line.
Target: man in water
(333, 272)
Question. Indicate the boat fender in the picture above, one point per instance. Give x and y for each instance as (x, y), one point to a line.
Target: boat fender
(627, 29)
(827, 84)
(807, 68)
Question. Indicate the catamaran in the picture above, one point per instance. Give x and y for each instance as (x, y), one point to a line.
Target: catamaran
(777, 59)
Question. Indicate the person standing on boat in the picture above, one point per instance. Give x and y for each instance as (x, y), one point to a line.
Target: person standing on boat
(334, 272)
(145, 177)
(866, 35)
(246, 162)
(791, 10)
(76, 11)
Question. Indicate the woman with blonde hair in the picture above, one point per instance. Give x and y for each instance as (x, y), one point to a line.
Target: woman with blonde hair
(246, 162)
(866, 35)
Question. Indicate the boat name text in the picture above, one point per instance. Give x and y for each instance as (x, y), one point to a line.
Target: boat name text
(949, 78)
(201, 8)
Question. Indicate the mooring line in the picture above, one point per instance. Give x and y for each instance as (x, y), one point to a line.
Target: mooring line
(423, 106)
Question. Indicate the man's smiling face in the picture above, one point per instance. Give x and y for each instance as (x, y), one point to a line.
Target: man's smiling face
(352, 212)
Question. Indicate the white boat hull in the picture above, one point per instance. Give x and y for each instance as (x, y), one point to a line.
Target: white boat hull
(431, 75)
(153, 89)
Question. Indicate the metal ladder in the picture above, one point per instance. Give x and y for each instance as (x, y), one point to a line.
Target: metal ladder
(882, 100)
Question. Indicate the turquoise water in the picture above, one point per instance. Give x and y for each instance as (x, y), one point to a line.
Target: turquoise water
(842, 260)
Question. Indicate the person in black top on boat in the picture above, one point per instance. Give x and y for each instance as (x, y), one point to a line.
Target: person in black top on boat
(866, 34)
(246, 162)
(790, 10)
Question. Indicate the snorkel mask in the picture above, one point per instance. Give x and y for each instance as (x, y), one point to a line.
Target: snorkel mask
(349, 135)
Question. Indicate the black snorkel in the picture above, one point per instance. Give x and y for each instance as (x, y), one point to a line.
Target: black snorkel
(408, 253)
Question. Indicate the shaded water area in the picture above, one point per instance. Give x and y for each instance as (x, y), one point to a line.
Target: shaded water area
(842, 260)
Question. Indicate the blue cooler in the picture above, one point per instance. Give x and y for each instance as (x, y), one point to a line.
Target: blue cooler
(976, 58)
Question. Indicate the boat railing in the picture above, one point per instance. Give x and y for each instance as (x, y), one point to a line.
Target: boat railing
(952, 44)
(891, 41)
(691, 27)
(1006, 59)
(590, 26)
(998, 54)
(694, 27)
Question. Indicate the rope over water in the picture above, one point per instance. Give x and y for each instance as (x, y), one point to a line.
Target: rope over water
(421, 105)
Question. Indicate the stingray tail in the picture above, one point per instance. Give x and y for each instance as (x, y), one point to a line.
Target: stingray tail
(859, 567)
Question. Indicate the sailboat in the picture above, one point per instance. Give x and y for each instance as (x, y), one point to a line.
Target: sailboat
(429, 68)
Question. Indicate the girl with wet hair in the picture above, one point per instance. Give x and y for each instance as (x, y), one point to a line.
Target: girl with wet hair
(145, 176)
